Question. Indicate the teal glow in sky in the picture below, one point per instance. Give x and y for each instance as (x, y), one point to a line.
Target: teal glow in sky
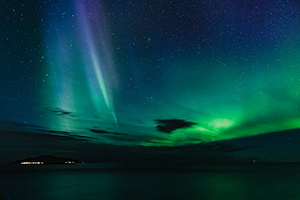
(151, 73)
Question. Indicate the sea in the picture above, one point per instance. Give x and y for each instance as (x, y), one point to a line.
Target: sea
(107, 182)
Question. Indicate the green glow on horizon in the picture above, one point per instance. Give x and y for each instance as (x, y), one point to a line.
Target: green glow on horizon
(221, 123)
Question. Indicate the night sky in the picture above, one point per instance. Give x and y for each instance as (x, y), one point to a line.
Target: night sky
(180, 80)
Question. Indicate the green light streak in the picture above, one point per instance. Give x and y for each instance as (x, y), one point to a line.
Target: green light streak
(199, 128)
(102, 86)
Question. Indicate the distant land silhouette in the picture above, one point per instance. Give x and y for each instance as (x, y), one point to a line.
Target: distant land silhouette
(47, 160)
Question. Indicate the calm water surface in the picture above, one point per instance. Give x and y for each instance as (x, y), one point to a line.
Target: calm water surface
(93, 182)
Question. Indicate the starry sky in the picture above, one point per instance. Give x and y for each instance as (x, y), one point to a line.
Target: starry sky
(213, 77)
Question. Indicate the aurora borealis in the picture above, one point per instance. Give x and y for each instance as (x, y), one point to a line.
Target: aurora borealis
(149, 73)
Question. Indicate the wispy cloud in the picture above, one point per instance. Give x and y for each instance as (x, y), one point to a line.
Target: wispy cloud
(59, 111)
(129, 139)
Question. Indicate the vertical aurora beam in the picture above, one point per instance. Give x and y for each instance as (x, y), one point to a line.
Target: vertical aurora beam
(86, 25)
(59, 92)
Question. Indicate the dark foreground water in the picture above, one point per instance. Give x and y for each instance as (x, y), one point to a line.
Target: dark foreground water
(249, 182)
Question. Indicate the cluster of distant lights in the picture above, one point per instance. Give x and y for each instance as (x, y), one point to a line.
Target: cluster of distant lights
(32, 163)
(41, 163)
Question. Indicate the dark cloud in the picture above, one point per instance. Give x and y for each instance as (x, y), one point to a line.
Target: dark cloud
(58, 136)
(169, 125)
(45, 137)
(114, 136)
(59, 111)
(86, 138)
(123, 137)
(98, 131)
(52, 131)
(107, 132)
(33, 126)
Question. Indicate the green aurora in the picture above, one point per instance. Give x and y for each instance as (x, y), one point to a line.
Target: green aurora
(230, 71)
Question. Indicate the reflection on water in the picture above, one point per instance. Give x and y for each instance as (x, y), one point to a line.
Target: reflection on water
(266, 182)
